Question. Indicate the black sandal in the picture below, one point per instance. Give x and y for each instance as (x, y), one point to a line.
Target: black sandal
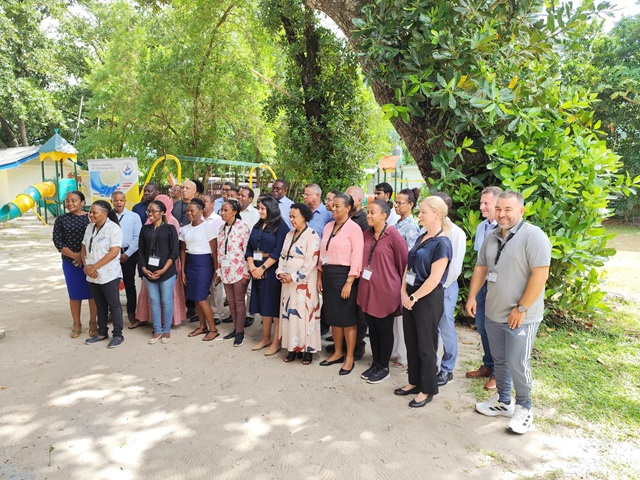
(198, 331)
(291, 357)
(307, 357)
(137, 324)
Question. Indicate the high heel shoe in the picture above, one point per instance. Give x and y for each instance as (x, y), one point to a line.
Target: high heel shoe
(291, 357)
(307, 358)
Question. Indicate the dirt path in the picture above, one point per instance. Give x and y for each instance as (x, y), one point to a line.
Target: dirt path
(196, 410)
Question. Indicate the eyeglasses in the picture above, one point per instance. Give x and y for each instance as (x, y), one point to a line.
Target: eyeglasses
(226, 189)
(151, 212)
(400, 203)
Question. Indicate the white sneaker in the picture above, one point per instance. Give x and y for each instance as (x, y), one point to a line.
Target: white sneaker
(522, 420)
(494, 407)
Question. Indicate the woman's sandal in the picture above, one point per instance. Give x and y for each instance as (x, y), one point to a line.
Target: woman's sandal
(290, 357)
(215, 334)
(198, 331)
(76, 331)
(137, 324)
(307, 357)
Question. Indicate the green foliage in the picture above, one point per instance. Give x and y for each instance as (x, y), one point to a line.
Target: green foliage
(611, 67)
(179, 80)
(485, 75)
(329, 123)
(34, 70)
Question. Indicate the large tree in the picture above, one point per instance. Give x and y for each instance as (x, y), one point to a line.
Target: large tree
(328, 121)
(475, 90)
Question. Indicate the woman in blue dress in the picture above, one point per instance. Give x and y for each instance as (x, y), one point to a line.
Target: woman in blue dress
(263, 252)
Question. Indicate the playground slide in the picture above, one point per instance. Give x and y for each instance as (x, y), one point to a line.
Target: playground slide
(26, 200)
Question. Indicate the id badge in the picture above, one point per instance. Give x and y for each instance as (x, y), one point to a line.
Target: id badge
(325, 260)
(225, 262)
(286, 269)
(410, 279)
(257, 256)
(366, 273)
(154, 261)
(492, 277)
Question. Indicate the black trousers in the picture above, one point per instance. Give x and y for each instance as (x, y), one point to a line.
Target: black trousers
(420, 325)
(107, 298)
(129, 279)
(381, 338)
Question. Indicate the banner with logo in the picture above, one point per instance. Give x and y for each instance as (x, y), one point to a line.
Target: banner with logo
(108, 175)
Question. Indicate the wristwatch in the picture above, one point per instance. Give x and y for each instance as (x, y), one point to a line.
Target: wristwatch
(413, 299)
(264, 267)
(521, 308)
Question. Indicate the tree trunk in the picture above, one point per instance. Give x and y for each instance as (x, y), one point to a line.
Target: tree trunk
(415, 133)
(23, 132)
(7, 135)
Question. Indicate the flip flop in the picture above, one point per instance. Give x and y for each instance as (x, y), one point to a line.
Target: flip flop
(198, 331)
(216, 334)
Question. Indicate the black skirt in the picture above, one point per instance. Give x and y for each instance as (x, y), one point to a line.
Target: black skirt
(338, 312)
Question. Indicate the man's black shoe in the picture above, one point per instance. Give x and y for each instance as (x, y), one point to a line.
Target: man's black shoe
(248, 322)
(227, 320)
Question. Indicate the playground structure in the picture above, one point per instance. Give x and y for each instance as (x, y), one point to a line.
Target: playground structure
(47, 196)
(214, 161)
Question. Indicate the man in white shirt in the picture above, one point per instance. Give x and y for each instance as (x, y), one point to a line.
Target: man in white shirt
(488, 200)
(249, 213)
(250, 216)
(446, 327)
(217, 290)
(279, 192)
(383, 191)
(226, 187)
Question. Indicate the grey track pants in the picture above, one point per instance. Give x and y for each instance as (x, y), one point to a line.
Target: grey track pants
(511, 352)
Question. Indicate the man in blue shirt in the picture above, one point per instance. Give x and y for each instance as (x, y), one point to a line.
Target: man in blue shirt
(150, 193)
(313, 200)
(488, 200)
(279, 192)
(217, 204)
(130, 225)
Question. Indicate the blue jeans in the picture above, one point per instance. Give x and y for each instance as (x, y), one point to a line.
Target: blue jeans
(487, 359)
(447, 328)
(161, 303)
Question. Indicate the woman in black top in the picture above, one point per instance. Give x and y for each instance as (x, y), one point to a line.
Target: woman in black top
(263, 252)
(157, 252)
(68, 232)
(423, 300)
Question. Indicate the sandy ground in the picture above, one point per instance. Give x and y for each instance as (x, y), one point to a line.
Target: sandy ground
(196, 410)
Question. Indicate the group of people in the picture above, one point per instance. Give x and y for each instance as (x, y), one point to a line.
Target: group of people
(307, 266)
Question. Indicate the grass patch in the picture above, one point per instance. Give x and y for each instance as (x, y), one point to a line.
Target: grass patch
(592, 376)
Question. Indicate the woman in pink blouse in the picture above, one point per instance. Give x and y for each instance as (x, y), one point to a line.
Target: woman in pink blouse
(233, 271)
(339, 266)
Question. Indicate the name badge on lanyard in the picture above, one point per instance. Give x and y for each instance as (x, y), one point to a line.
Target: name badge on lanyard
(225, 262)
(410, 278)
(366, 273)
(492, 277)
(257, 256)
(325, 260)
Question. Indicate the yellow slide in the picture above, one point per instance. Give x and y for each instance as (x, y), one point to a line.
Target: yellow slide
(26, 200)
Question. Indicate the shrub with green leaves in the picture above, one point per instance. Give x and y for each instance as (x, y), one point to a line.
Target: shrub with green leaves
(484, 77)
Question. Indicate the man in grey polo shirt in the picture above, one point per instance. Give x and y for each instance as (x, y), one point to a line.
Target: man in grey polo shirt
(514, 260)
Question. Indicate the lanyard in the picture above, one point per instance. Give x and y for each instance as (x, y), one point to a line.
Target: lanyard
(375, 243)
(94, 235)
(294, 240)
(228, 234)
(501, 245)
(153, 239)
(334, 233)
(421, 244)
